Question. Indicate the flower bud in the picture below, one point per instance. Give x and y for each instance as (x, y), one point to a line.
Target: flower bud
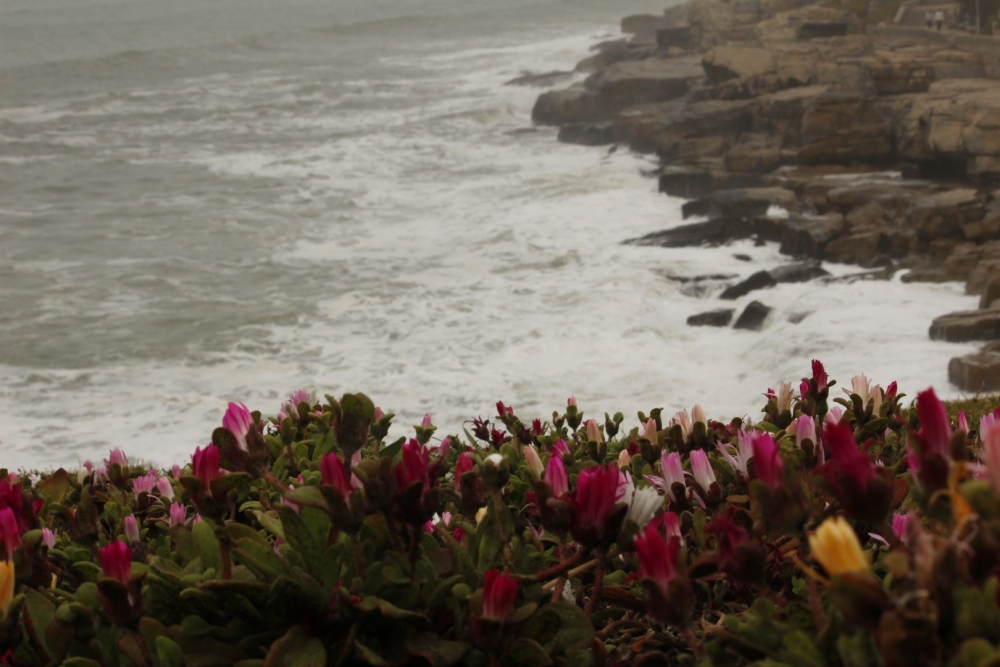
(533, 461)
(205, 466)
(6, 587)
(165, 488)
(10, 534)
(593, 431)
(499, 593)
(835, 546)
(49, 538)
(238, 421)
(117, 457)
(116, 561)
(556, 477)
(131, 529)
(624, 460)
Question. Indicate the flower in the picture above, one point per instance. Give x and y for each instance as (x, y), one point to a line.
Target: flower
(556, 477)
(935, 429)
(624, 460)
(426, 421)
(499, 593)
(131, 529)
(698, 415)
(560, 448)
(672, 525)
(238, 421)
(673, 473)
(6, 587)
(571, 401)
(989, 434)
(178, 515)
(175, 471)
(845, 457)
(701, 469)
(837, 549)
(834, 415)
(597, 496)
(819, 374)
(144, 484)
(657, 558)
(165, 488)
(504, 410)
(205, 465)
(900, 525)
(10, 534)
(116, 561)
(593, 431)
(533, 461)
(805, 429)
(860, 386)
(742, 455)
(963, 423)
(335, 475)
(649, 430)
(290, 408)
(767, 461)
(642, 503)
(49, 538)
(463, 466)
(117, 457)
(782, 398)
(413, 467)
(683, 419)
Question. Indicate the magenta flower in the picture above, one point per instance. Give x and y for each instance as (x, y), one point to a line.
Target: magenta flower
(598, 493)
(463, 466)
(963, 423)
(117, 457)
(49, 538)
(175, 471)
(334, 474)
(701, 470)
(10, 534)
(131, 529)
(499, 593)
(819, 374)
(116, 561)
(413, 467)
(935, 430)
(205, 465)
(556, 477)
(673, 473)
(560, 448)
(504, 410)
(846, 459)
(900, 525)
(426, 421)
(238, 421)
(672, 525)
(767, 461)
(657, 558)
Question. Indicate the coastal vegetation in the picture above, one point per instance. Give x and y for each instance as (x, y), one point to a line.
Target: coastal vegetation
(844, 527)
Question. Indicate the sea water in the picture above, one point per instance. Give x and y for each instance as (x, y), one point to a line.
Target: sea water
(220, 201)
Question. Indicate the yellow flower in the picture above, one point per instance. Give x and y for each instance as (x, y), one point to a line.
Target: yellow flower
(480, 515)
(837, 549)
(6, 586)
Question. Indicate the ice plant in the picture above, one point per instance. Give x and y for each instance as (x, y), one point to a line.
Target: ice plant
(144, 484)
(116, 561)
(334, 474)
(560, 448)
(672, 525)
(642, 503)
(49, 538)
(900, 525)
(835, 546)
(6, 587)
(989, 453)
(10, 534)
(499, 593)
(739, 457)
(673, 473)
(624, 460)
(782, 398)
(698, 415)
(117, 457)
(767, 461)
(165, 488)
(238, 421)
(597, 496)
(935, 429)
(533, 461)
(702, 471)
(805, 429)
(205, 466)
(683, 419)
(649, 430)
(178, 515)
(666, 600)
(131, 529)
(556, 477)
(860, 386)
(463, 466)
(593, 431)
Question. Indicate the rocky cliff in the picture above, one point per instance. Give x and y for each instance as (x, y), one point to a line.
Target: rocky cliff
(882, 143)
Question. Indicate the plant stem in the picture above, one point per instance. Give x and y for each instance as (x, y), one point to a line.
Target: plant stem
(359, 556)
(397, 543)
(595, 594)
(572, 573)
(692, 643)
(508, 557)
(560, 567)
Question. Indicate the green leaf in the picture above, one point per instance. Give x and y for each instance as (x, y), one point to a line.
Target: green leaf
(169, 653)
(270, 523)
(307, 496)
(301, 539)
(80, 662)
(371, 603)
(858, 651)
(561, 624)
(435, 650)
(41, 612)
(526, 653)
(802, 647)
(54, 487)
(370, 656)
(296, 649)
(207, 545)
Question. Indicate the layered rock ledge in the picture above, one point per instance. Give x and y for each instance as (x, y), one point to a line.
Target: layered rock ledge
(882, 143)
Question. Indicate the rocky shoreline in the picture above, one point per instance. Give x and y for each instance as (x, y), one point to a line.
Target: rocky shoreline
(882, 144)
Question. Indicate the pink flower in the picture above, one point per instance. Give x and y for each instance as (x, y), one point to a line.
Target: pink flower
(49, 538)
(657, 558)
(117, 457)
(178, 515)
(205, 465)
(846, 459)
(556, 477)
(499, 593)
(131, 529)
(176, 471)
(767, 461)
(890, 391)
(413, 467)
(144, 484)
(900, 525)
(683, 419)
(649, 430)
(426, 421)
(819, 374)
(672, 525)
(379, 415)
(742, 455)
(598, 492)
(463, 466)
(963, 423)
(935, 430)
(116, 561)
(88, 465)
(10, 534)
(165, 488)
(560, 448)
(533, 461)
(698, 415)
(701, 469)
(805, 429)
(989, 453)
(238, 421)
(593, 431)
(673, 473)
(334, 474)
(571, 401)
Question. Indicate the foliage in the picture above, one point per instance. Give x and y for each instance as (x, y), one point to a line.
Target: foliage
(865, 533)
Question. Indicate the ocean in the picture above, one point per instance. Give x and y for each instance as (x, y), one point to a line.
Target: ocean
(207, 201)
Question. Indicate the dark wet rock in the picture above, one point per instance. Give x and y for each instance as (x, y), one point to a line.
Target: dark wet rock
(807, 236)
(753, 316)
(694, 182)
(588, 134)
(759, 280)
(712, 232)
(798, 272)
(822, 30)
(743, 258)
(854, 249)
(743, 202)
(964, 326)
(795, 318)
(712, 318)
(976, 372)
(544, 80)
(990, 295)
(674, 37)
